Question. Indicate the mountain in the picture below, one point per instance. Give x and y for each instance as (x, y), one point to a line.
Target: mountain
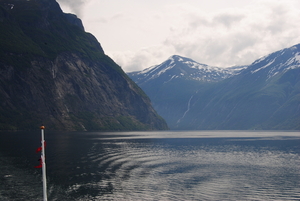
(171, 85)
(177, 67)
(53, 72)
(263, 95)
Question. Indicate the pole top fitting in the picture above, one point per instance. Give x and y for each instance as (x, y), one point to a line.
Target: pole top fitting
(42, 127)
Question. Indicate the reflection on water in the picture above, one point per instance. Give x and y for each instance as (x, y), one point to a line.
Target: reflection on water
(208, 165)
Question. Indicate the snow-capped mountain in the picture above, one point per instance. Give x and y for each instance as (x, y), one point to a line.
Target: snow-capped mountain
(193, 96)
(277, 62)
(185, 68)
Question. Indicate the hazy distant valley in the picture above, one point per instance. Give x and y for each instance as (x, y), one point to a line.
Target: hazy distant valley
(192, 96)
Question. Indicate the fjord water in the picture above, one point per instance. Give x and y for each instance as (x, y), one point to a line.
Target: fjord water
(190, 165)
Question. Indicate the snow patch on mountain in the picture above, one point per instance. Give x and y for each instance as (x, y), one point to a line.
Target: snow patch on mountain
(295, 61)
(263, 67)
(174, 76)
(180, 67)
(278, 62)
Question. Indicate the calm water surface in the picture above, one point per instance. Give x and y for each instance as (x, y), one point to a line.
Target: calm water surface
(192, 165)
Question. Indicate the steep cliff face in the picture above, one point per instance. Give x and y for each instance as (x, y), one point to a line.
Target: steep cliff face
(52, 72)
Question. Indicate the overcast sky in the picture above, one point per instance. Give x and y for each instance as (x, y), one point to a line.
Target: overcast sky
(137, 34)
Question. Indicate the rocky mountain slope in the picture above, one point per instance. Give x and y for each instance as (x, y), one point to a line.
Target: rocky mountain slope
(263, 95)
(177, 67)
(53, 72)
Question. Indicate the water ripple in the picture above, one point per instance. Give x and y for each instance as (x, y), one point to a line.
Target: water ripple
(208, 165)
(142, 171)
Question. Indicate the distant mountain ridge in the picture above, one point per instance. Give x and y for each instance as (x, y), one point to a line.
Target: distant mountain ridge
(52, 72)
(263, 95)
(277, 62)
(182, 67)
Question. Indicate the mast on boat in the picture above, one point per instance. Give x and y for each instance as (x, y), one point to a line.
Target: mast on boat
(43, 163)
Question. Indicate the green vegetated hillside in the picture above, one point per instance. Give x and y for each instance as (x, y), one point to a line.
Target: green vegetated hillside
(55, 73)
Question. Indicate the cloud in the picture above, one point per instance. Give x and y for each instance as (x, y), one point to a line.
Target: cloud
(228, 19)
(224, 38)
(140, 34)
(135, 61)
(75, 6)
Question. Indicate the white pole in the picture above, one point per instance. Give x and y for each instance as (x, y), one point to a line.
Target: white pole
(44, 165)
